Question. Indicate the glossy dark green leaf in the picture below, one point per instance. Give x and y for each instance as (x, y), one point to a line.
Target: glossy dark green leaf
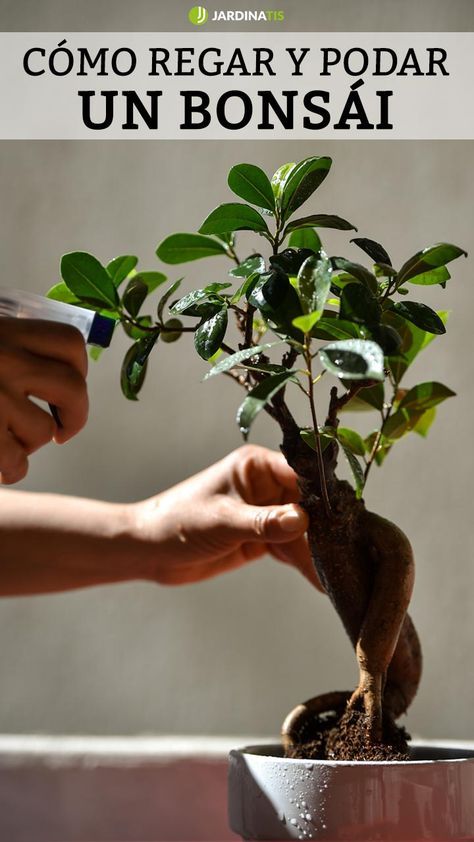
(277, 301)
(359, 272)
(152, 280)
(356, 469)
(238, 358)
(253, 264)
(233, 216)
(120, 267)
(210, 334)
(166, 297)
(194, 297)
(86, 277)
(290, 260)
(181, 248)
(433, 276)
(420, 315)
(301, 182)
(134, 366)
(258, 398)
(425, 396)
(334, 328)
(314, 284)
(353, 359)
(384, 270)
(430, 258)
(369, 398)
(305, 238)
(387, 337)
(172, 330)
(253, 185)
(358, 304)
(134, 296)
(60, 292)
(279, 179)
(375, 251)
(320, 220)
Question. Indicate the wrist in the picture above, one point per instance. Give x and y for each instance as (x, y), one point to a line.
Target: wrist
(139, 526)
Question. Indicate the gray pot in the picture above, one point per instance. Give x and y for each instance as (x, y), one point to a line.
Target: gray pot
(428, 797)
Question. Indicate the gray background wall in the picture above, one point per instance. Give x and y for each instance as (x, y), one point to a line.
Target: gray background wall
(231, 655)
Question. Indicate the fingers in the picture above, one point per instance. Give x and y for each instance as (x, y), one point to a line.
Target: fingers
(13, 459)
(23, 374)
(47, 339)
(267, 524)
(296, 553)
(262, 476)
(31, 425)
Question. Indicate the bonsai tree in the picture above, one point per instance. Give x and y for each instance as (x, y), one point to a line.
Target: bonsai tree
(343, 334)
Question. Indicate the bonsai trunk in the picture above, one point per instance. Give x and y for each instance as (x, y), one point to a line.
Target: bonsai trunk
(365, 564)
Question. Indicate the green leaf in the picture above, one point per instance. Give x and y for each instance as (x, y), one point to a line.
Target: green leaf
(433, 276)
(314, 283)
(86, 277)
(210, 334)
(254, 264)
(425, 396)
(334, 328)
(181, 248)
(401, 422)
(375, 251)
(277, 301)
(321, 220)
(152, 280)
(253, 185)
(368, 398)
(425, 421)
(357, 470)
(134, 366)
(166, 297)
(134, 296)
(422, 316)
(384, 270)
(430, 258)
(359, 272)
(233, 217)
(60, 292)
(358, 304)
(192, 298)
(239, 357)
(326, 435)
(120, 267)
(353, 359)
(306, 323)
(258, 398)
(305, 238)
(351, 440)
(172, 330)
(301, 182)
(279, 179)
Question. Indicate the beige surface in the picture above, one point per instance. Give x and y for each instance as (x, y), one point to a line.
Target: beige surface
(234, 654)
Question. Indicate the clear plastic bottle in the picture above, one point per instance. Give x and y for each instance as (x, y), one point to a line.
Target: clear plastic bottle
(17, 304)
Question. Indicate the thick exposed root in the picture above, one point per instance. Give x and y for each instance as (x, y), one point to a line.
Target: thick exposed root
(366, 566)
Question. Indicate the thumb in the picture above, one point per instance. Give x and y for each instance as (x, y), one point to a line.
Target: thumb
(268, 523)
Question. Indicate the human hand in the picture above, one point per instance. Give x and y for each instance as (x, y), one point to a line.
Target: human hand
(44, 360)
(239, 509)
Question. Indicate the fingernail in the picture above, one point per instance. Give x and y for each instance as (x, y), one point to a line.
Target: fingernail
(290, 521)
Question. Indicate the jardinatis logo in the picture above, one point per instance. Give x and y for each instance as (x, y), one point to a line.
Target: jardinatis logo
(198, 15)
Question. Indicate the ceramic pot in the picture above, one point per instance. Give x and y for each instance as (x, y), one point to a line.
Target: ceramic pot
(430, 796)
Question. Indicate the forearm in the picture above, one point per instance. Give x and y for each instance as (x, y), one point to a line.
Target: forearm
(52, 543)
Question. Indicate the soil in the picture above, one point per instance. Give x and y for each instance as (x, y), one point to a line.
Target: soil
(347, 737)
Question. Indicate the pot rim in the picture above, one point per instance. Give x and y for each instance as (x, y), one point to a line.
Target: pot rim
(263, 750)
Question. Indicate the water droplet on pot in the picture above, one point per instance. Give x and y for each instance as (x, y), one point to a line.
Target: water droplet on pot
(293, 822)
(304, 804)
(308, 817)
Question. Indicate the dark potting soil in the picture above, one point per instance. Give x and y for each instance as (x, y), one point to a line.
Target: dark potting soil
(336, 737)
